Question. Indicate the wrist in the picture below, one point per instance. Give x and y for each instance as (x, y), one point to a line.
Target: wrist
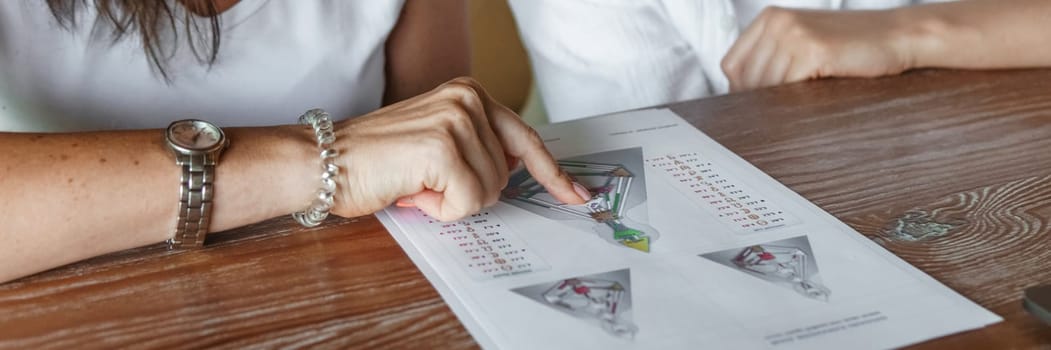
(324, 198)
(266, 173)
(921, 35)
(302, 181)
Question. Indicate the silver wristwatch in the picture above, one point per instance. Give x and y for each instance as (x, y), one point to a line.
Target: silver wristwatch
(196, 145)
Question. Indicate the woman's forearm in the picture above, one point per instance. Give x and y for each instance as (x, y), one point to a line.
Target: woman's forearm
(979, 34)
(67, 197)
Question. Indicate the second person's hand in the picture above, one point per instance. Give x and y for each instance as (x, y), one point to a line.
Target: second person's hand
(788, 45)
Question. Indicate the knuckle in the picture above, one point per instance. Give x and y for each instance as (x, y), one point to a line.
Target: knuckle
(459, 116)
(556, 178)
(466, 80)
(564, 177)
(471, 98)
(454, 89)
(462, 123)
(452, 115)
(788, 23)
(463, 89)
(533, 140)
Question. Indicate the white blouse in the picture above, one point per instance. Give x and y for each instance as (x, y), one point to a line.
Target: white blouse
(276, 59)
(599, 56)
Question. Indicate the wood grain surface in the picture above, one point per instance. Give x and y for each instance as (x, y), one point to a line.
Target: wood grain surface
(949, 170)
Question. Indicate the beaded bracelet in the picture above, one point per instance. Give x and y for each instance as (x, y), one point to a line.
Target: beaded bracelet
(324, 198)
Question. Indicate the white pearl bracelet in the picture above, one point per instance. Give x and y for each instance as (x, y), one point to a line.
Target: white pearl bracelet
(324, 198)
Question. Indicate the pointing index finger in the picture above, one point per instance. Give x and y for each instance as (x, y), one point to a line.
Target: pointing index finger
(522, 142)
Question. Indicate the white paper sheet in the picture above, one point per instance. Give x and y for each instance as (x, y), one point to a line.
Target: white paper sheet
(693, 248)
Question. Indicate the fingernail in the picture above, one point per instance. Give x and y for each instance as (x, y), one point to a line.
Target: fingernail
(582, 192)
(405, 203)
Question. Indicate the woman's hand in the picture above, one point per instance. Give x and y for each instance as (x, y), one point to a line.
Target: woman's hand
(449, 151)
(787, 45)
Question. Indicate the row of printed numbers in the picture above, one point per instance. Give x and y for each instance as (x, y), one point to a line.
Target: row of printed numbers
(731, 201)
(485, 246)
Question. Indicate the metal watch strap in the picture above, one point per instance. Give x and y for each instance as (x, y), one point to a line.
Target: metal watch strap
(195, 200)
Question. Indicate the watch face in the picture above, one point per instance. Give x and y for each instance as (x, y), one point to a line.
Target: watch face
(194, 135)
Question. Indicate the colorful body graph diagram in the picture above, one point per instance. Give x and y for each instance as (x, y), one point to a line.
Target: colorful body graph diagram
(788, 263)
(615, 189)
(603, 298)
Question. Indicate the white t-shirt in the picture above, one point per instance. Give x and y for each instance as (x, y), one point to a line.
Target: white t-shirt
(599, 56)
(276, 60)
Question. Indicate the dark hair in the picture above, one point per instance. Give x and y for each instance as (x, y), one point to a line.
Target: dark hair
(150, 20)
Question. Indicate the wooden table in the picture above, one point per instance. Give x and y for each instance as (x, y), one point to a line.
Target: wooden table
(949, 170)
